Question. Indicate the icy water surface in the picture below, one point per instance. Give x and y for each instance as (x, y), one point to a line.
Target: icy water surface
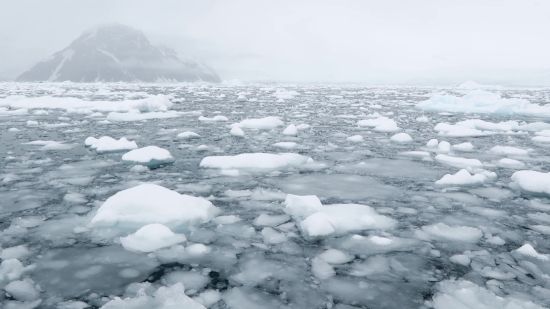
(447, 245)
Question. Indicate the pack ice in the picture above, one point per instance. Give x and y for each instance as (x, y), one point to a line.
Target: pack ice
(237, 195)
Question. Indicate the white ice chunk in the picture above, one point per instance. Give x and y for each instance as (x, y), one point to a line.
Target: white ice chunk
(531, 182)
(334, 256)
(148, 156)
(461, 178)
(254, 161)
(433, 143)
(511, 163)
(464, 294)
(286, 145)
(291, 130)
(458, 161)
(460, 259)
(356, 139)
(20, 252)
(266, 123)
(444, 147)
(321, 269)
(401, 138)
(164, 298)
(217, 118)
(150, 203)
(508, 150)
(108, 144)
(22, 290)
(453, 233)
(188, 135)
(151, 237)
(463, 147)
(302, 205)
(236, 131)
(528, 250)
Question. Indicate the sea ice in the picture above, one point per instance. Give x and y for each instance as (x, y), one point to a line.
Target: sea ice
(150, 203)
(254, 161)
(148, 156)
(151, 237)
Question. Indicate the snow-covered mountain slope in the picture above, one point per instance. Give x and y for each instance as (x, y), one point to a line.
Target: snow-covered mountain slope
(113, 53)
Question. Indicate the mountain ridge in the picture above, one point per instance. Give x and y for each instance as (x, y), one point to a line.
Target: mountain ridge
(115, 53)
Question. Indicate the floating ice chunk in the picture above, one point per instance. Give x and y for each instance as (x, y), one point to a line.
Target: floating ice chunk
(458, 162)
(334, 256)
(433, 143)
(107, 144)
(302, 205)
(191, 280)
(32, 123)
(267, 220)
(444, 147)
(321, 269)
(507, 150)
(389, 126)
(466, 147)
(375, 122)
(266, 123)
(227, 219)
(460, 259)
(123, 117)
(483, 102)
(148, 156)
(452, 233)
(202, 148)
(344, 218)
(151, 237)
(531, 182)
(511, 163)
(139, 169)
(303, 126)
(528, 250)
(12, 269)
(41, 143)
(356, 139)
(381, 241)
(20, 252)
(401, 138)
(56, 146)
(271, 236)
(150, 203)
(217, 118)
(541, 139)
(164, 298)
(22, 290)
(208, 298)
(254, 161)
(188, 135)
(291, 130)
(318, 224)
(236, 131)
(241, 98)
(13, 130)
(422, 119)
(461, 178)
(419, 154)
(464, 294)
(495, 240)
(286, 145)
(198, 250)
(152, 104)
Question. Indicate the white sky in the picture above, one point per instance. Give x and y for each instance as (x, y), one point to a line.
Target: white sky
(362, 41)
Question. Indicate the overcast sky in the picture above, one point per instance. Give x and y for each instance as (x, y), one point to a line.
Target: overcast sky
(374, 42)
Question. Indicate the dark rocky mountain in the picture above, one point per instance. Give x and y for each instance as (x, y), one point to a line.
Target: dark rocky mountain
(113, 53)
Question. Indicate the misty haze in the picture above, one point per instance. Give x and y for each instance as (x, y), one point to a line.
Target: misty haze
(284, 154)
